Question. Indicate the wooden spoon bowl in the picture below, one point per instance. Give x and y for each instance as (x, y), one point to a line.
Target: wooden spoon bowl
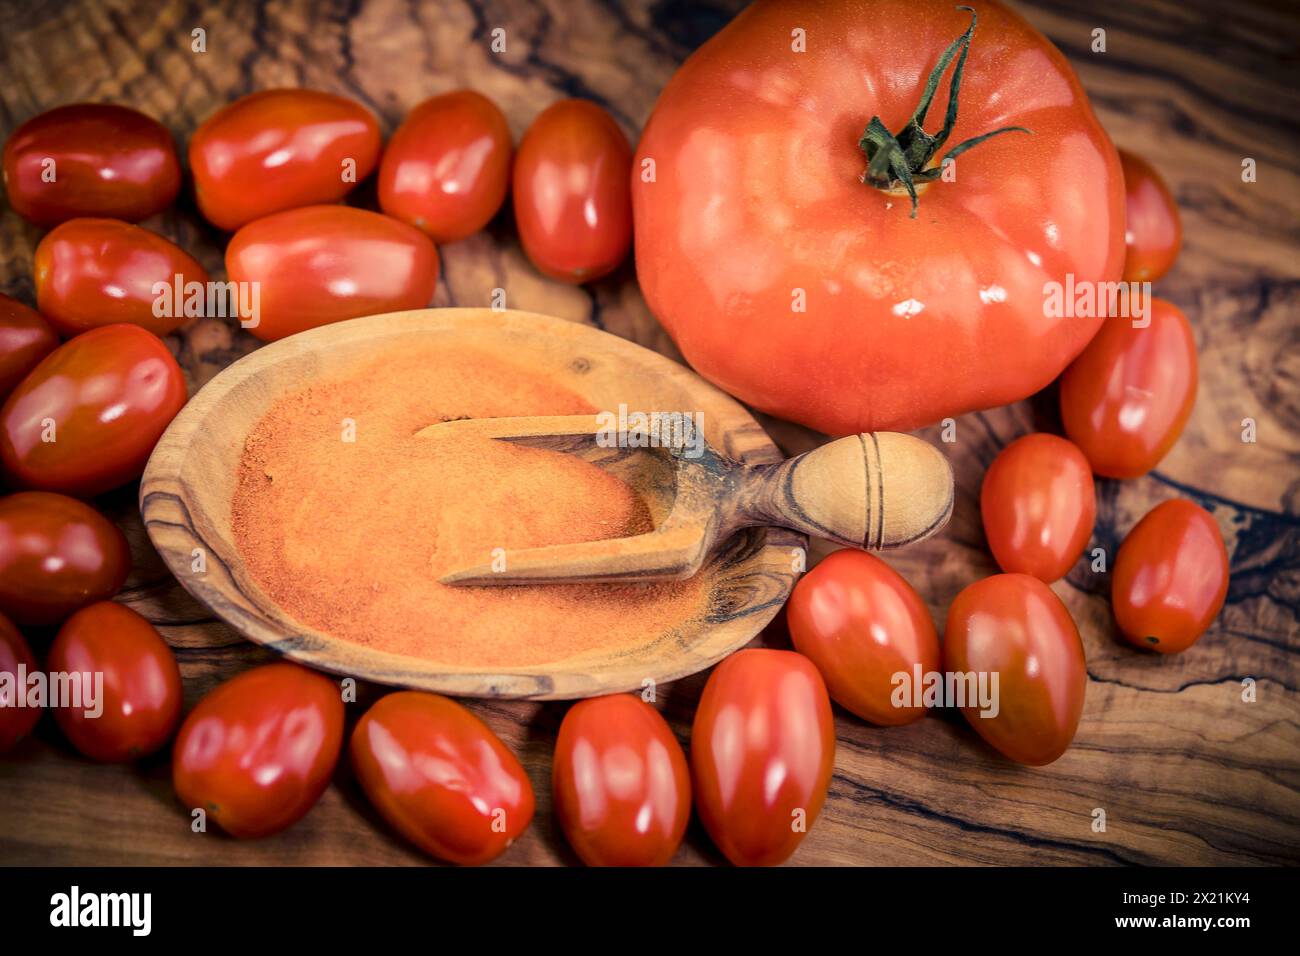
(189, 484)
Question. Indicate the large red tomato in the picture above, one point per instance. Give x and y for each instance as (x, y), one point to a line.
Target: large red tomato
(86, 419)
(25, 339)
(441, 778)
(762, 754)
(257, 753)
(817, 296)
(621, 784)
(90, 159)
(277, 149)
(16, 659)
(322, 264)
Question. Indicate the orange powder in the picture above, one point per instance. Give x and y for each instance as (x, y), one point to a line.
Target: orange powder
(350, 537)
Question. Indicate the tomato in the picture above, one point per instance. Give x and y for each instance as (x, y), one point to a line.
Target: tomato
(94, 272)
(447, 167)
(257, 753)
(787, 276)
(90, 159)
(1039, 506)
(857, 619)
(16, 659)
(762, 753)
(1154, 233)
(86, 419)
(571, 193)
(441, 778)
(280, 149)
(1012, 627)
(139, 701)
(1171, 577)
(323, 264)
(25, 339)
(1125, 400)
(621, 784)
(57, 555)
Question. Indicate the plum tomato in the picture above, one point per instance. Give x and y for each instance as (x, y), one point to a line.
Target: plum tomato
(57, 554)
(861, 623)
(25, 339)
(1154, 233)
(1013, 628)
(15, 722)
(139, 701)
(572, 192)
(90, 159)
(323, 264)
(1039, 506)
(259, 750)
(441, 778)
(621, 784)
(280, 149)
(762, 753)
(85, 420)
(447, 167)
(1171, 577)
(95, 272)
(1126, 398)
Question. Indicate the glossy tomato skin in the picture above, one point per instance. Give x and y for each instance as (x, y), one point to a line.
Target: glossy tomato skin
(323, 264)
(1154, 233)
(108, 161)
(1039, 506)
(861, 623)
(141, 690)
(25, 339)
(621, 784)
(96, 272)
(441, 778)
(57, 554)
(1171, 577)
(447, 167)
(1013, 625)
(1125, 400)
(762, 753)
(572, 198)
(15, 722)
(259, 750)
(109, 394)
(280, 149)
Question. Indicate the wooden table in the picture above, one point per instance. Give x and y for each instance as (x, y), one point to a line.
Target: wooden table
(1185, 771)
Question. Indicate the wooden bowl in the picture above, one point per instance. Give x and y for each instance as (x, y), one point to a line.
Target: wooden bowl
(189, 483)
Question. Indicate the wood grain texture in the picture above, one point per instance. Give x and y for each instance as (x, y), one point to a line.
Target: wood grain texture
(1185, 770)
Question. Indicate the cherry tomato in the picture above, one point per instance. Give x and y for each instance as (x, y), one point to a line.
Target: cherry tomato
(90, 159)
(139, 701)
(441, 778)
(257, 753)
(1125, 400)
(1154, 233)
(1039, 506)
(1171, 577)
(572, 195)
(323, 264)
(16, 722)
(86, 419)
(622, 787)
(95, 272)
(857, 619)
(1012, 627)
(762, 753)
(25, 339)
(280, 149)
(447, 167)
(57, 555)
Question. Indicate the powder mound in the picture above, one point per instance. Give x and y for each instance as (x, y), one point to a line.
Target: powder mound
(347, 521)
